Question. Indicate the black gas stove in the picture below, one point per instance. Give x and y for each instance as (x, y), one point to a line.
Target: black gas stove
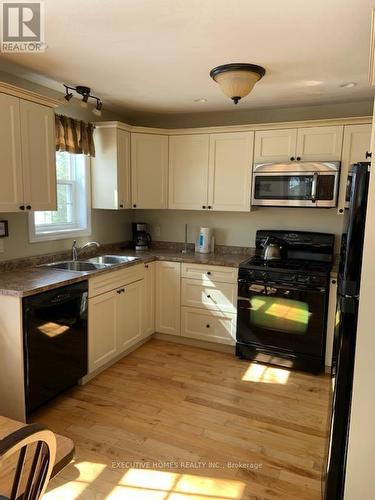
(282, 303)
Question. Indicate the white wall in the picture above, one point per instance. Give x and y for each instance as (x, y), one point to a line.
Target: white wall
(361, 452)
(238, 228)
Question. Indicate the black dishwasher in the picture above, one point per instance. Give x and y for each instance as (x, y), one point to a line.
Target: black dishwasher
(55, 342)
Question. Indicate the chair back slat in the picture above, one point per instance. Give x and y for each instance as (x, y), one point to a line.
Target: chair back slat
(36, 447)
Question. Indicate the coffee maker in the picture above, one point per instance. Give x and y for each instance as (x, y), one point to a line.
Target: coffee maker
(141, 238)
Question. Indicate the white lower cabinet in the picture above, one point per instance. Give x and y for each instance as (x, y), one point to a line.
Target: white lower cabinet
(129, 315)
(102, 329)
(149, 300)
(115, 320)
(167, 297)
(212, 326)
(211, 296)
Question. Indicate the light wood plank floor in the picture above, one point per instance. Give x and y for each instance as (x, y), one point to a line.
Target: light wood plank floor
(174, 422)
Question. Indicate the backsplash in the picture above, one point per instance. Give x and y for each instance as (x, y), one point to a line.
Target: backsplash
(238, 228)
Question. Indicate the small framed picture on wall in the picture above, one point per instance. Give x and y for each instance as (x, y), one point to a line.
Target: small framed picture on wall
(4, 229)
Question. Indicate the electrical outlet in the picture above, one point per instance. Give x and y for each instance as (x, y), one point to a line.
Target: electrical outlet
(157, 231)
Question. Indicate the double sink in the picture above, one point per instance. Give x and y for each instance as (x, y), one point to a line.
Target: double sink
(93, 264)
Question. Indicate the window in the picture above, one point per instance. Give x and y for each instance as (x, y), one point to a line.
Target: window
(72, 217)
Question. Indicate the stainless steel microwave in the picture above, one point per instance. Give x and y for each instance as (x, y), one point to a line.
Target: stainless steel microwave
(302, 184)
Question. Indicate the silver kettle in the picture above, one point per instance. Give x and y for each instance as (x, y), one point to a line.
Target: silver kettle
(271, 249)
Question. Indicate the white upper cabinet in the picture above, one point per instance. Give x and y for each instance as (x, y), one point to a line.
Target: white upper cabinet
(357, 140)
(110, 169)
(27, 144)
(302, 144)
(188, 171)
(11, 184)
(38, 156)
(230, 168)
(275, 145)
(149, 170)
(319, 143)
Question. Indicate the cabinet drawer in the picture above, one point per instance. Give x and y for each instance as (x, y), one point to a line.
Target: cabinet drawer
(210, 273)
(115, 279)
(211, 326)
(208, 295)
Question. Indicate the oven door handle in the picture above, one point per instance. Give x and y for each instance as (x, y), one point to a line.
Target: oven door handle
(314, 187)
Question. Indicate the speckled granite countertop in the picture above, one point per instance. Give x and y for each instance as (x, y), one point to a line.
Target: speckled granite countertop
(27, 281)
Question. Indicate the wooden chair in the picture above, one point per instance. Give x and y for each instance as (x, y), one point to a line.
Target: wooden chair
(27, 457)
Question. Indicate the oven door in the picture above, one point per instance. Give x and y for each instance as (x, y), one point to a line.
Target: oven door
(282, 317)
(295, 185)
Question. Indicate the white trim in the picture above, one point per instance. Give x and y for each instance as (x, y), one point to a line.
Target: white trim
(69, 233)
(236, 128)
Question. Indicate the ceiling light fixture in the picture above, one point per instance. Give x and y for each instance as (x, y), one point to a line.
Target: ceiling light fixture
(85, 92)
(200, 99)
(237, 80)
(348, 85)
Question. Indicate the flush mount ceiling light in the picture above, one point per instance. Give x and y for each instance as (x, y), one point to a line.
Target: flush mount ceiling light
(237, 80)
(85, 92)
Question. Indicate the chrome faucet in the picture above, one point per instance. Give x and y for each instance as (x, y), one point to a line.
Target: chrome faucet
(76, 250)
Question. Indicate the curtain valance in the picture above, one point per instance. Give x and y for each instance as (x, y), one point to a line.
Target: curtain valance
(74, 136)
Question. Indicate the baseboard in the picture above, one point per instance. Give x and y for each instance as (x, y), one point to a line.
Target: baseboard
(211, 346)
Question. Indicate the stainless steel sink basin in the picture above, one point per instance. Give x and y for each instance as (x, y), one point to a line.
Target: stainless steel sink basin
(111, 260)
(73, 265)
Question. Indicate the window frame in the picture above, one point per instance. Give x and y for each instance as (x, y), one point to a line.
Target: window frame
(66, 231)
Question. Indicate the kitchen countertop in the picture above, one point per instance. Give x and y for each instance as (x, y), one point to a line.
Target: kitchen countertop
(28, 281)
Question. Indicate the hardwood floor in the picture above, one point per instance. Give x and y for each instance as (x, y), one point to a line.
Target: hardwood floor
(176, 422)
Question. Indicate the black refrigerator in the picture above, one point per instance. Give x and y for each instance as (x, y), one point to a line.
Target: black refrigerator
(348, 287)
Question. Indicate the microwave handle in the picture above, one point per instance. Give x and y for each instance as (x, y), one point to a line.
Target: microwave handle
(314, 187)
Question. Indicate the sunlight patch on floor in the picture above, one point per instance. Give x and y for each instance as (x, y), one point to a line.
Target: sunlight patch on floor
(141, 484)
(266, 374)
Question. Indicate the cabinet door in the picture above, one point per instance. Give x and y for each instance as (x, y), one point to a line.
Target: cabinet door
(331, 321)
(188, 171)
(102, 329)
(356, 143)
(149, 300)
(230, 171)
(211, 326)
(149, 169)
(123, 169)
(275, 145)
(167, 295)
(38, 156)
(129, 314)
(11, 185)
(110, 169)
(320, 143)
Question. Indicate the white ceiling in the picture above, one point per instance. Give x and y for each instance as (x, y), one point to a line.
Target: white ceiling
(155, 55)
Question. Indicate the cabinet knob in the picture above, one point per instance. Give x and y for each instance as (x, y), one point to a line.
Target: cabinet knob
(134, 206)
(208, 273)
(121, 290)
(207, 326)
(146, 266)
(292, 158)
(341, 210)
(121, 206)
(368, 155)
(203, 206)
(298, 158)
(208, 296)
(28, 207)
(209, 207)
(22, 207)
(333, 282)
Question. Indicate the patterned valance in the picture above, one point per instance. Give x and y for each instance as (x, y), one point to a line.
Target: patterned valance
(74, 136)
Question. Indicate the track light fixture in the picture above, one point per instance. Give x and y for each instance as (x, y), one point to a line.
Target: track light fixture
(85, 92)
